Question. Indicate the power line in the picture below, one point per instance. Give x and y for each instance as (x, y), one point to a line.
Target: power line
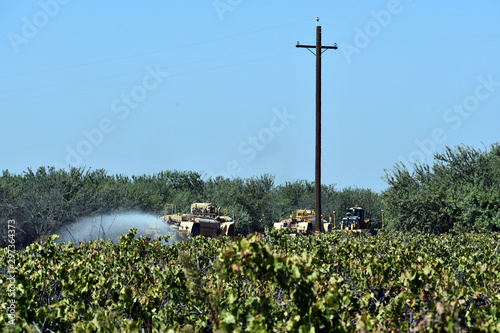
(427, 40)
(135, 82)
(413, 16)
(138, 72)
(156, 51)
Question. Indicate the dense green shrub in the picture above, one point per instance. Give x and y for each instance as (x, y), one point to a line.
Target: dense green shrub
(460, 190)
(42, 202)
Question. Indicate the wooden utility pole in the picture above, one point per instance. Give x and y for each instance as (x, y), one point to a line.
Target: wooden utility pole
(318, 226)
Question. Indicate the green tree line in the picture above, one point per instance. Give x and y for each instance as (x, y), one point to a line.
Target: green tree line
(460, 190)
(47, 199)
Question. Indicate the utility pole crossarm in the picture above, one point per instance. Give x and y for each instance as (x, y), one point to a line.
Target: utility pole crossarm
(334, 47)
(323, 48)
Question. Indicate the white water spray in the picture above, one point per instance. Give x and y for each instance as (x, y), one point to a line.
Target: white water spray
(112, 226)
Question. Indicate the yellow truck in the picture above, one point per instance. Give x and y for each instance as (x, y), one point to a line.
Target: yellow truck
(303, 221)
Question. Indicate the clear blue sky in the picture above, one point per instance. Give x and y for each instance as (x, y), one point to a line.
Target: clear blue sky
(218, 86)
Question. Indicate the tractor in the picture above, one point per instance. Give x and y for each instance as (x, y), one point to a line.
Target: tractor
(204, 219)
(302, 221)
(355, 222)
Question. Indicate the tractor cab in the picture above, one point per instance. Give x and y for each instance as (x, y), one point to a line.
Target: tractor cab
(355, 219)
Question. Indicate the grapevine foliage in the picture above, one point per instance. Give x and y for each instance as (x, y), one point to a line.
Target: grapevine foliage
(275, 282)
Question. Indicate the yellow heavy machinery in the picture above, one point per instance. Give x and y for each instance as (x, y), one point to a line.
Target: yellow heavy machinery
(355, 222)
(204, 219)
(302, 221)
